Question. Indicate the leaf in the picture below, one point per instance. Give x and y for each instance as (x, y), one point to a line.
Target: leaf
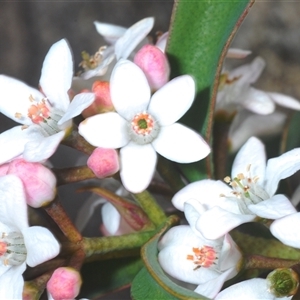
(200, 34)
(151, 282)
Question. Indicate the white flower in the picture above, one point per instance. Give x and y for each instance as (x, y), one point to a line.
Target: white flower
(46, 119)
(123, 41)
(251, 194)
(28, 245)
(187, 256)
(235, 90)
(252, 289)
(143, 125)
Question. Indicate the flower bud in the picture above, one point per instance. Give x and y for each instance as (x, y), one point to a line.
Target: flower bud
(155, 65)
(64, 283)
(283, 282)
(102, 102)
(104, 162)
(39, 182)
(30, 291)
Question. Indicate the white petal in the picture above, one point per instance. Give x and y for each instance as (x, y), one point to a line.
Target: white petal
(132, 37)
(12, 282)
(110, 32)
(194, 191)
(192, 210)
(285, 101)
(15, 96)
(286, 230)
(251, 289)
(162, 41)
(253, 154)
(296, 196)
(130, 92)
(237, 53)
(138, 164)
(111, 218)
(258, 102)
(41, 245)
(13, 208)
(181, 144)
(57, 72)
(40, 149)
(78, 104)
(276, 207)
(173, 100)
(281, 167)
(226, 221)
(108, 130)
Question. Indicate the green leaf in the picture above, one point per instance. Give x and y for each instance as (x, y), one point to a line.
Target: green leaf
(151, 282)
(291, 137)
(200, 34)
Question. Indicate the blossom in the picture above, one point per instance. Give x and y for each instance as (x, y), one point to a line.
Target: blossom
(46, 119)
(27, 245)
(187, 256)
(251, 192)
(143, 125)
(123, 41)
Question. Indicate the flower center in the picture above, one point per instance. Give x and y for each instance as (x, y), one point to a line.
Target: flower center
(43, 114)
(12, 248)
(246, 190)
(203, 257)
(143, 128)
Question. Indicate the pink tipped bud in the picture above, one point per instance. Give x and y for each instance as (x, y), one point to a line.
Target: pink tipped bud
(39, 182)
(102, 101)
(155, 65)
(64, 283)
(104, 162)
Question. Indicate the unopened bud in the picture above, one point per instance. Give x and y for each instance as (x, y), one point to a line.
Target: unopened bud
(283, 282)
(154, 64)
(39, 182)
(64, 283)
(104, 162)
(102, 102)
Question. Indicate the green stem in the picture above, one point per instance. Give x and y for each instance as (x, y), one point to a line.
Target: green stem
(73, 174)
(103, 245)
(263, 262)
(150, 207)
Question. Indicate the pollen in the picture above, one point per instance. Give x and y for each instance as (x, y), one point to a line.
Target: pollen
(203, 257)
(39, 112)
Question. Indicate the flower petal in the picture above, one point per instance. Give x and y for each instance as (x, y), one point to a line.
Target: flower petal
(281, 167)
(111, 218)
(108, 130)
(173, 100)
(15, 99)
(12, 282)
(41, 245)
(162, 41)
(237, 53)
(41, 148)
(129, 88)
(286, 229)
(181, 144)
(226, 221)
(285, 101)
(110, 32)
(194, 191)
(132, 37)
(253, 154)
(274, 208)
(57, 72)
(78, 104)
(13, 208)
(138, 164)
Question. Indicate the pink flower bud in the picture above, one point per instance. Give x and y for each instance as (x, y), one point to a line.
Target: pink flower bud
(102, 102)
(39, 182)
(104, 162)
(155, 65)
(64, 283)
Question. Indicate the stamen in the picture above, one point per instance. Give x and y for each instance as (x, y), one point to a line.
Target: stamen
(203, 257)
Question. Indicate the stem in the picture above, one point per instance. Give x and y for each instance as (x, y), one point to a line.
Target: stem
(76, 141)
(56, 211)
(73, 174)
(103, 245)
(263, 262)
(150, 207)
